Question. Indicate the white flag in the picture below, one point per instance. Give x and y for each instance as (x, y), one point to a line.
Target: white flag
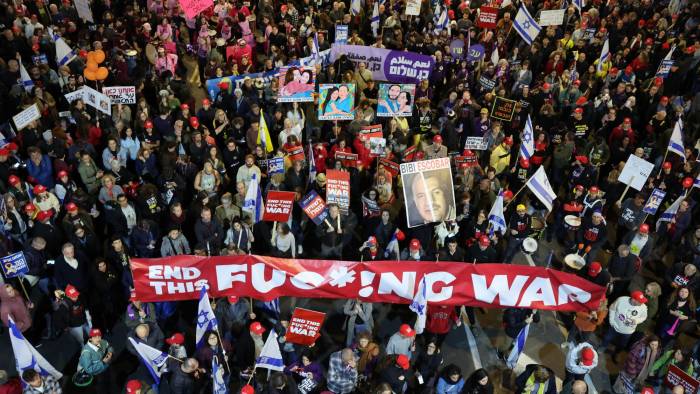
(24, 75)
(527, 143)
(675, 144)
(496, 218)
(540, 187)
(270, 356)
(152, 358)
(420, 307)
(26, 357)
(526, 26)
(206, 320)
(374, 22)
(494, 56)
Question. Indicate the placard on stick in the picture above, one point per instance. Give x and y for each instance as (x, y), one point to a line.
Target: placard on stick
(503, 109)
(636, 172)
(304, 326)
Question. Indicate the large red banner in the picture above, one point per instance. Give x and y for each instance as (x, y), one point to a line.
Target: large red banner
(450, 283)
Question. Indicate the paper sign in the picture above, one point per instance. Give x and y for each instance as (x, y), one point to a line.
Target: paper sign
(275, 166)
(413, 7)
(296, 84)
(194, 7)
(457, 49)
(652, 205)
(395, 99)
(336, 101)
(486, 83)
(345, 156)
(676, 376)
(338, 189)
(466, 161)
(24, 118)
(304, 326)
(314, 207)
(636, 172)
(476, 143)
(428, 191)
(278, 206)
(552, 17)
(390, 166)
(341, 34)
(120, 94)
(488, 16)
(76, 95)
(475, 52)
(503, 109)
(373, 131)
(97, 100)
(83, 9)
(14, 265)
(376, 147)
(296, 153)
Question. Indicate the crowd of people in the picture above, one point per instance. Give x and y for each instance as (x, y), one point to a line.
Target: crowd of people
(84, 192)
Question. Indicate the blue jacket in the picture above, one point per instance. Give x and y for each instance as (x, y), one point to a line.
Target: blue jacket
(42, 172)
(91, 359)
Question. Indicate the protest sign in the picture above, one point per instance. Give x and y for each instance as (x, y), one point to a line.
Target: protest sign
(236, 81)
(466, 161)
(476, 143)
(314, 207)
(636, 172)
(296, 84)
(387, 65)
(349, 159)
(97, 100)
(677, 377)
(390, 166)
(457, 49)
(551, 17)
(377, 146)
(24, 118)
(371, 131)
(446, 283)
(338, 189)
(275, 165)
(278, 206)
(193, 7)
(654, 202)
(296, 153)
(413, 7)
(304, 326)
(76, 95)
(503, 109)
(486, 83)
(428, 191)
(370, 207)
(336, 101)
(488, 17)
(14, 265)
(83, 9)
(120, 94)
(475, 53)
(341, 34)
(664, 68)
(395, 99)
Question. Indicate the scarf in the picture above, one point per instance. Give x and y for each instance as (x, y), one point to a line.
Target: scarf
(648, 361)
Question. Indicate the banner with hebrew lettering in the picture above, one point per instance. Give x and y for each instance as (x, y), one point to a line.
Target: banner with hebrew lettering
(448, 283)
(386, 64)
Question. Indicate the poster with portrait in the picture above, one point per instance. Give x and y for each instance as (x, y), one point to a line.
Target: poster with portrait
(296, 84)
(395, 99)
(428, 191)
(336, 101)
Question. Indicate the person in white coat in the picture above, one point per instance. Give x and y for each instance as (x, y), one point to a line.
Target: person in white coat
(580, 360)
(624, 315)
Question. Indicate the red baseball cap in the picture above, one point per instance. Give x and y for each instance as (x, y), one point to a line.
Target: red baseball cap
(614, 70)
(71, 207)
(175, 339)
(406, 330)
(247, 389)
(594, 269)
(524, 163)
(184, 106)
(627, 120)
(43, 215)
(403, 361)
(29, 207)
(508, 140)
(194, 122)
(582, 159)
(667, 165)
(648, 41)
(579, 188)
(578, 110)
(508, 194)
(62, 173)
(414, 245)
(14, 180)
(233, 299)
(4, 152)
(72, 292)
(38, 189)
(587, 356)
(644, 228)
(148, 124)
(95, 332)
(132, 386)
(484, 240)
(206, 101)
(546, 86)
(593, 189)
(437, 138)
(256, 328)
(639, 297)
(223, 85)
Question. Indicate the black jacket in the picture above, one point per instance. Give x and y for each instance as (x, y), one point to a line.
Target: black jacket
(514, 320)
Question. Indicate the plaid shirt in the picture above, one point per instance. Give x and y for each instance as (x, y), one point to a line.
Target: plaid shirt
(342, 379)
(51, 386)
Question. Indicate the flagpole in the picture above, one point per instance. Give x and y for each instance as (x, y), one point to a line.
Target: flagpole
(516, 194)
(221, 343)
(24, 289)
(662, 164)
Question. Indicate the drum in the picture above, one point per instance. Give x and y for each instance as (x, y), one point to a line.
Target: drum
(537, 226)
(574, 261)
(151, 53)
(572, 222)
(529, 246)
(130, 54)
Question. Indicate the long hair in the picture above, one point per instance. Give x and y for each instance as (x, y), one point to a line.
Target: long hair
(328, 98)
(674, 298)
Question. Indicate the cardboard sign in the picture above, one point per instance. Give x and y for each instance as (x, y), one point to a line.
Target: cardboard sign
(296, 153)
(347, 157)
(372, 131)
(413, 7)
(676, 376)
(296, 84)
(278, 206)
(24, 118)
(84, 11)
(390, 166)
(314, 207)
(194, 7)
(304, 326)
(336, 101)
(97, 100)
(466, 161)
(376, 147)
(654, 202)
(488, 17)
(476, 143)
(275, 166)
(486, 83)
(395, 99)
(457, 49)
(503, 109)
(14, 265)
(338, 189)
(73, 96)
(370, 207)
(636, 172)
(341, 34)
(552, 17)
(475, 53)
(120, 94)
(428, 191)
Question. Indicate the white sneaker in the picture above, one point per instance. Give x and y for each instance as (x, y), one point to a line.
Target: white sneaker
(300, 249)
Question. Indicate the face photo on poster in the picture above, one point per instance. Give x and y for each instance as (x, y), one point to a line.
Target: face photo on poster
(395, 99)
(428, 191)
(336, 101)
(377, 146)
(296, 84)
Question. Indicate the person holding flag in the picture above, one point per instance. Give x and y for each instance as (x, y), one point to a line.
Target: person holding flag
(206, 320)
(27, 358)
(264, 138)
(516, 323)
(526, 26)
(253, 202)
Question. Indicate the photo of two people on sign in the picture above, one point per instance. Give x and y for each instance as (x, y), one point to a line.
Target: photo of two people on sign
(336, 101)
(395, 99)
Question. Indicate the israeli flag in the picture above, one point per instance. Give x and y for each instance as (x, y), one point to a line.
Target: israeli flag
(64, 54)
(579, 4)
(666, 63)
(670, 212)
(420, 306)
(272, 306)
(24, 75)
(526, 26)
(393, 245)
(270, 356)
(675, 144)
(496, 218)
(312, 163)
(253, 202)
(217, 375)
(355, 7)
(206, 320)
(494, 56)
(442, 21)
(152, 358)
(26, 357)
(316, 49)
(696, 182)
(518, 347)
(374, 22)
(540, 187)
(527, 144)
(604, 55)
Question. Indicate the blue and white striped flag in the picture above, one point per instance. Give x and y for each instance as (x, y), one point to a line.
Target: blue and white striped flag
(206, 320)
(253, 202)
(24, 75)
(270, 355)
(526, 26)
(315, 51)
(442, 21)
(393, 245)
(518, 347)
(217, 375)
(579, 4)
(355, 7)
(540, 187)
(272, 306)
(604, 55)
(26, 357)
(312, 163)
(670, 212)
(152, 358)
(675, 144)
(527, 144)
(666, 63)
(419, 305)
(496, 218)
(374, 22)
(696, 182)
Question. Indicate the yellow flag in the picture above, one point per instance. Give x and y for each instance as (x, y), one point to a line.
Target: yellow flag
(264, 139)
